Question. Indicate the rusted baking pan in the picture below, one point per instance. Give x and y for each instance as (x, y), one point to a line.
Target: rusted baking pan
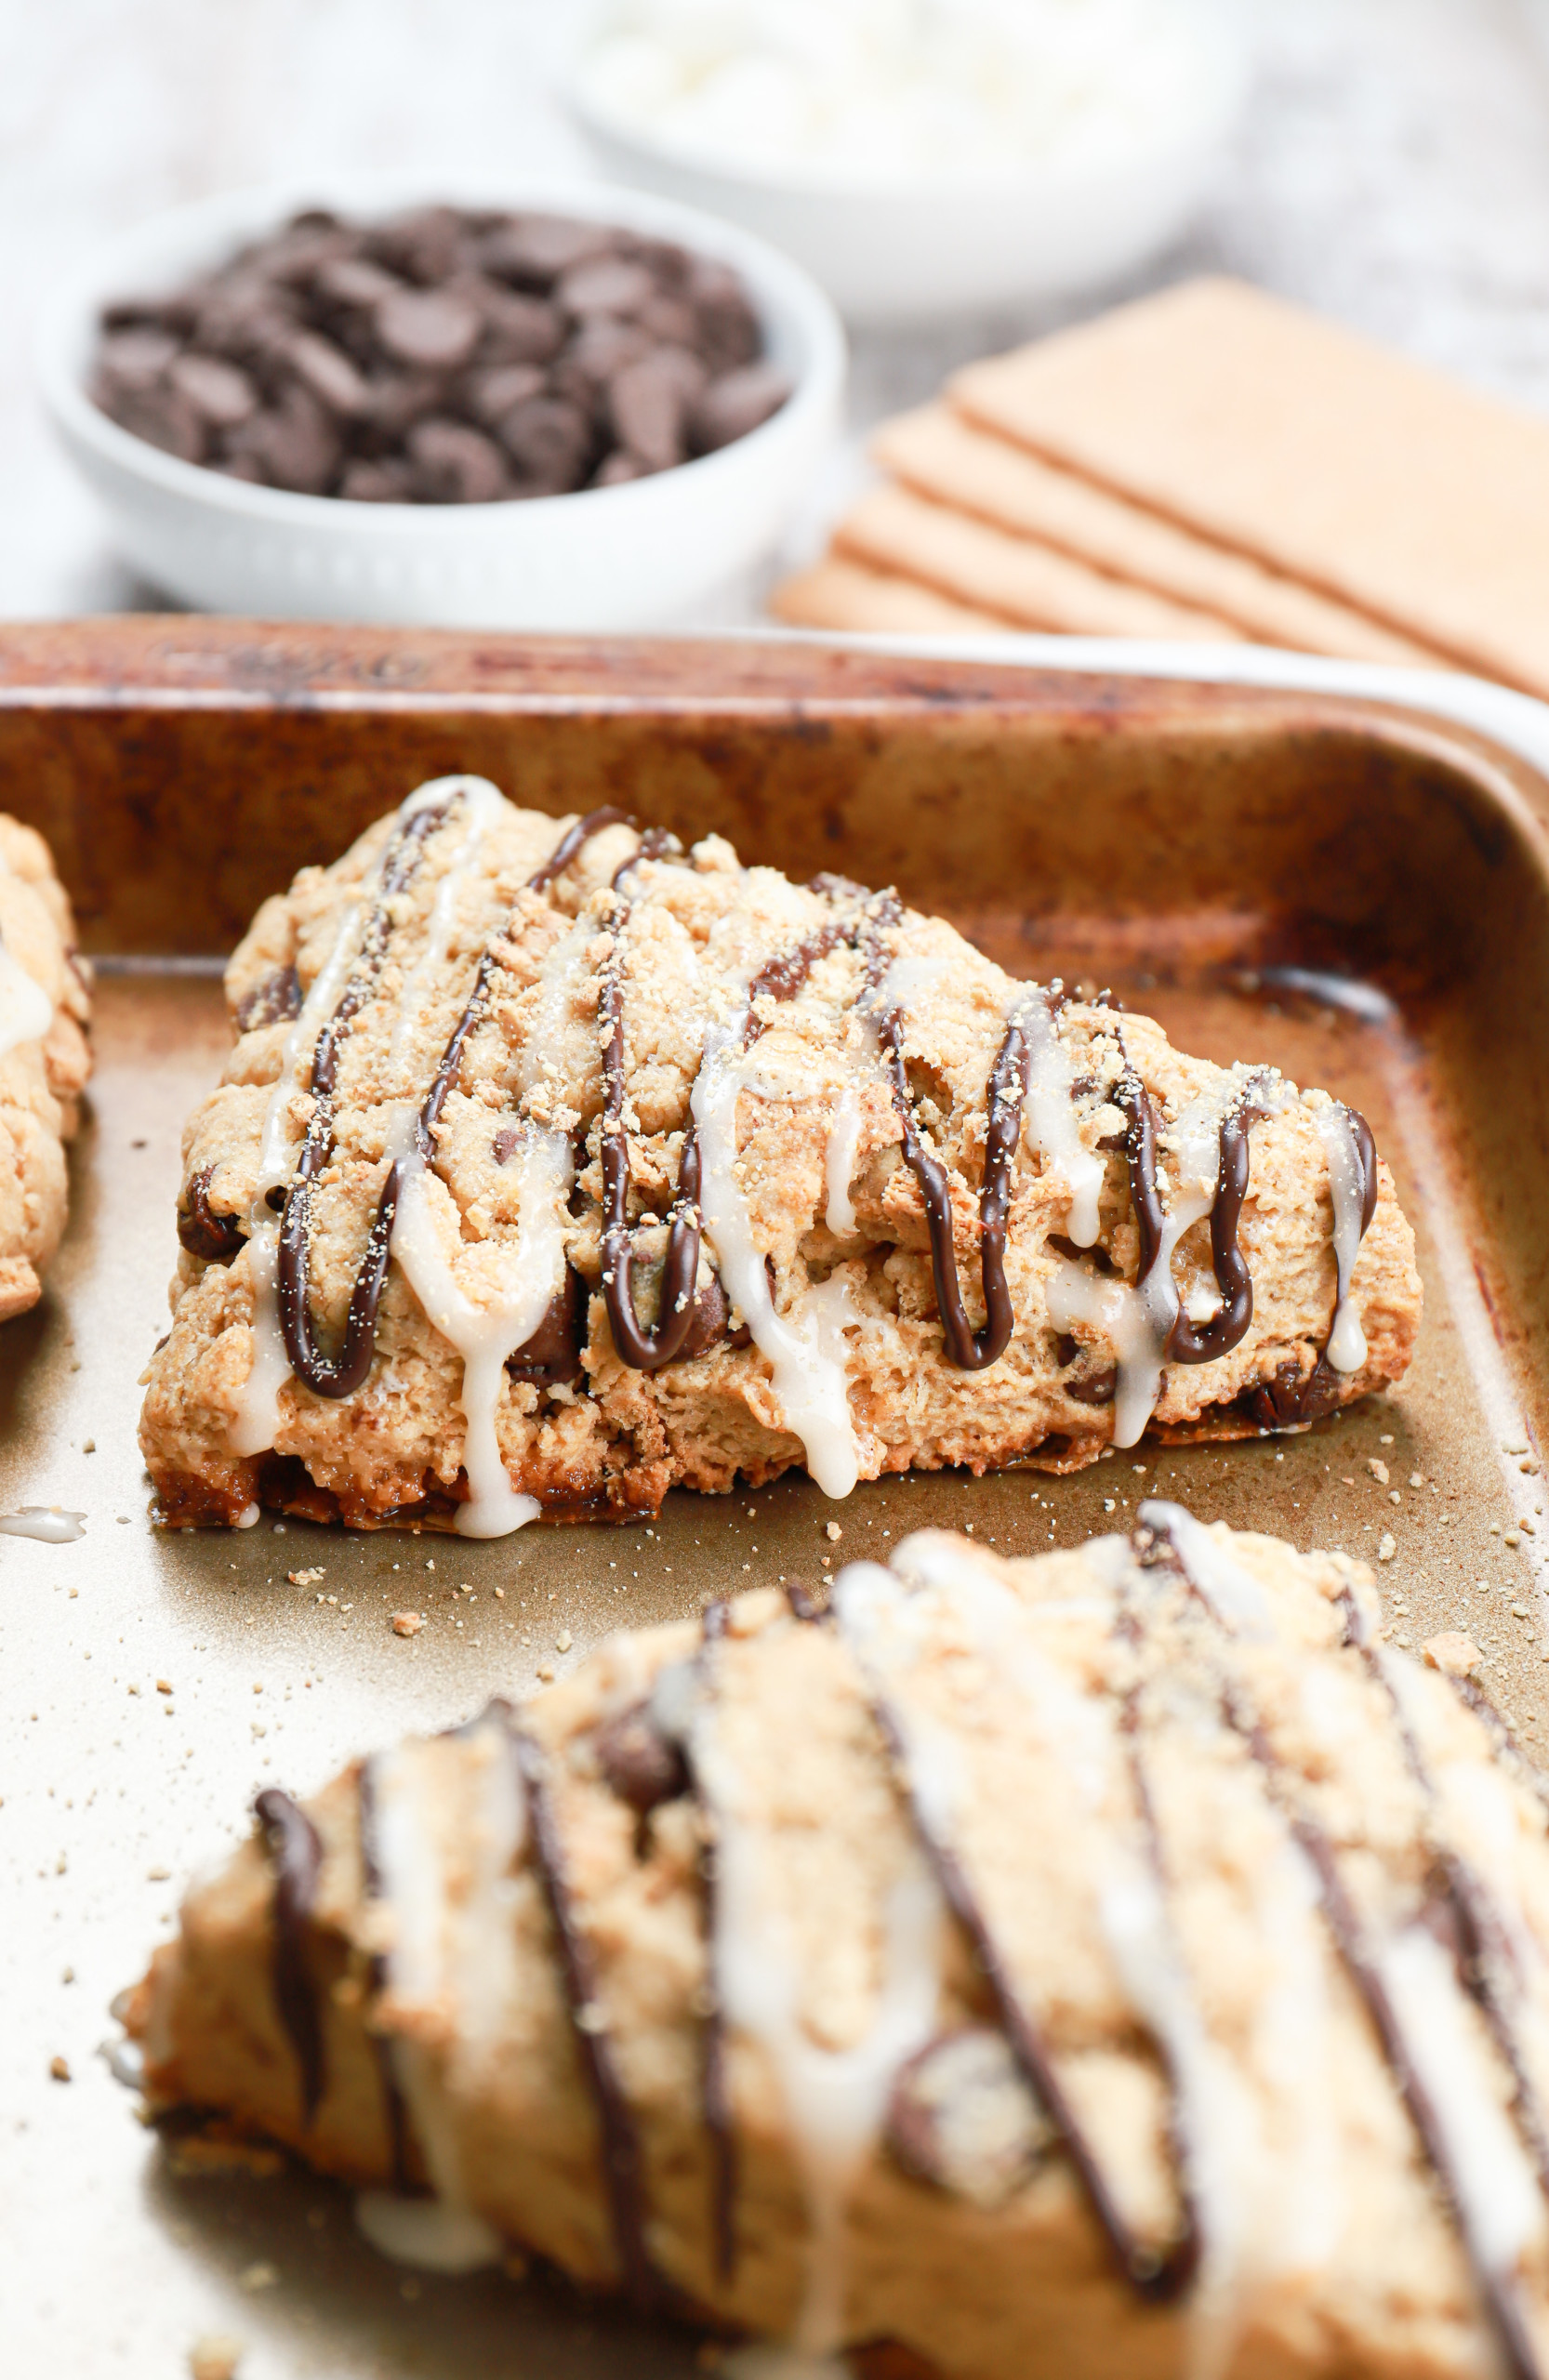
(1355, 892)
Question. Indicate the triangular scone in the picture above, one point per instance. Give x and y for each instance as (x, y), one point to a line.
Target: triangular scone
(1117, 1962)
(45, 1060)
(555, 1166)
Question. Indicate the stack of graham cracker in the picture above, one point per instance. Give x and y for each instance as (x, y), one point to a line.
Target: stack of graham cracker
(1216, 464)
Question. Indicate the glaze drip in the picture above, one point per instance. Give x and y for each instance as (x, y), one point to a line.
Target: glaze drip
(297, 1854)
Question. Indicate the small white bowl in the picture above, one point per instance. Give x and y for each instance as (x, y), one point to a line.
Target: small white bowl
(892, 255)
(650, 553)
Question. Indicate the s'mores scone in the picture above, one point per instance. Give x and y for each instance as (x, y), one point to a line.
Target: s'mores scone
(556, 1166)
(45, 1061)
(1117, 1962)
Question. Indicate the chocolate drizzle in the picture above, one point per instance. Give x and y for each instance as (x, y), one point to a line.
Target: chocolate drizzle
(643, 1350)
(1158, 2275)
(621, 2158)
(340, 1375)
(1461, 1907)
(969, 1350)
(297, 1852)
(394, 2112)
(1188, 1342)
(1293, 1398)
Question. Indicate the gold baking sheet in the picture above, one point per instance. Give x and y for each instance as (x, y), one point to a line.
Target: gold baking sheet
(119, 2249)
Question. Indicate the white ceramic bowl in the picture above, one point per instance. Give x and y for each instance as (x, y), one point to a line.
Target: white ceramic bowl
(915, 252)
(651, 553)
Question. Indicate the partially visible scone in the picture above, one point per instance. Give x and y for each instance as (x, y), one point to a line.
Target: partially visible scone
(556, 1166)
(1121, 1961)
(45, 1060)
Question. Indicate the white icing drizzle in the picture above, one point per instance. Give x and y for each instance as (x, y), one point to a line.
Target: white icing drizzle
(456, 1952)
(1347, 1347)
(426, 2233)
(835, 2100)
(1136, 1322)
(806, 1347)
(483, 804)
(1499, 2205)
(1049, 1116)
(485, 1328)
(838, 1159)
(26, 1011)
(46, 1523)
(1239, 1603)
(513, 1290)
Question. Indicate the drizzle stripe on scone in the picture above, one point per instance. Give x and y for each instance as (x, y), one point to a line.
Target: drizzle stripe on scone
(555, 1166)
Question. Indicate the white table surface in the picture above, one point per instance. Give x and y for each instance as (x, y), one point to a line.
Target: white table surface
(1393, 168)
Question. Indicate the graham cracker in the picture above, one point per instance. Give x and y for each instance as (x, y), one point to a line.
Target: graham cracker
(942, 456)
(848, 596)
(1029, 583)
(1257, 425)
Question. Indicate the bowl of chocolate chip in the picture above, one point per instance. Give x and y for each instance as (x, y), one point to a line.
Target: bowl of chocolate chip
(578, 408)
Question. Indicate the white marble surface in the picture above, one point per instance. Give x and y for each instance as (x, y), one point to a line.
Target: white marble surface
(1393, 168)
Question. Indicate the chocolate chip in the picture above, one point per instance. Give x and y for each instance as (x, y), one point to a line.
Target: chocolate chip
(220, 392)
(618, 467)
(710, 1323)
(355, 281)
(604, 285)
(426, 245)
(536, 248)
(161, 414)
(275, 1000)
(516, 329)
(445, 356)
(294, 444)
(1094, 1388)
(962, 2119)
(329, 373)
(449, 463)
(176, 313)
(386, 481)
(552, 1358)
(639, 1763)
(650, 403)
(490, 394)
(428, 327)
(213, 1237)
(136, 359)
(507, 1141)
(737, 402)
(549, 441)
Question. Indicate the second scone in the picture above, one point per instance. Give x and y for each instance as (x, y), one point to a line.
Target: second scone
(555, 1166)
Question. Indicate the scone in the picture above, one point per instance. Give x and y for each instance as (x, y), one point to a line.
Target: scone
(45, 1061)
(555, 1166)
(1120, 1961)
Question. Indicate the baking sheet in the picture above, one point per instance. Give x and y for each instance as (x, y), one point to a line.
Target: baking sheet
(117, 2250)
